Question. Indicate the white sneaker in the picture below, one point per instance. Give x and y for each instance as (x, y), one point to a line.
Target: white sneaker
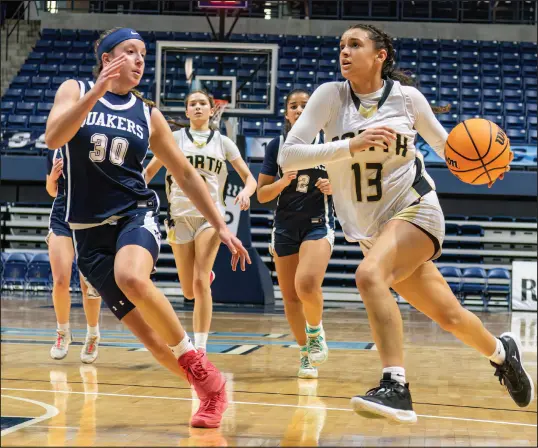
(90, 349)
(61, 345)
(306, 370)
(318, 351)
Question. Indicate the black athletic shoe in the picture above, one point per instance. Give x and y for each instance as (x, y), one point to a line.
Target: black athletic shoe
(511, 373)
(391, 400)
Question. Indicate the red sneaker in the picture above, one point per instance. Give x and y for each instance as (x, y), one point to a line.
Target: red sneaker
(211, 277)
(209, 414)
(202, 374)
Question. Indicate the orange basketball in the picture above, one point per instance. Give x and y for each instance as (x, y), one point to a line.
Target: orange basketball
(477, 151)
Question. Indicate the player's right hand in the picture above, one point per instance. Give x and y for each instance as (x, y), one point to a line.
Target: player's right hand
(109, 73)
(239, 253)
(379, 137)
(56, 171)
(288, 177)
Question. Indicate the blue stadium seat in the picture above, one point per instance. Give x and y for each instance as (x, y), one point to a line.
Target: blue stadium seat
(57, 81)
(252, 128)
(82, 46)
(43, 45)
(284, 64)
(452, 229)
(448, 68)
(286, 76)
(407, 55)
(529, 60)
(88, 35)
(492, 95)
(36, 56)
(448, 81)
(323, 77)
(489, 45)
(33, 95)
(39, 272)
(470, 94)
(49, 33)
(68, 34)
(470, 107)
(531, 109)
(429, 56)
(513, 95)
(491, 82)
(68, 70)
(470, 82)
(533, 136)
(61, 46)
(74, 57)
(44, 108)
(515, 123)
(430, 93)
(502, 218)
(512, 82)
(7, 107)
(48, 70)
(473, 287)
(85, 70)
(290, 52)
(41, 82)
(15, 269)
(449, 56)
(466, 57)
(530, 83)
(20, 81)
(24, 108)
(495, 289)
(517, 135)
(497, 119)
(54, 58)
(491, 69)
(427, 68)
(272, 129)
(329, 53)
(469, 45)
(513, 108)
(449, 94)
(510, 58)
(470, 69)
(49, 95)
(308, 64)
(12, 94)
(511, 70)
(309, 52)
(471, 230)
(328, 65)
(28, 70)
(37, 122)
(17, 122)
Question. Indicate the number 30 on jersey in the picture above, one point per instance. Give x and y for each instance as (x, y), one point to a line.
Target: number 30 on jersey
(118, 149)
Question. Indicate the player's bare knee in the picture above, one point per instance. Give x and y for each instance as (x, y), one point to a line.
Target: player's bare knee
(451, 319)
(367, 276)
(290, 298)
(200, 285)
(130, 283)
(61, 282)
(307, 285)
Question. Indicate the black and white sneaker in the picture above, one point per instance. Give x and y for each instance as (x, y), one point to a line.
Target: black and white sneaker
(511, 373)
(391, 400)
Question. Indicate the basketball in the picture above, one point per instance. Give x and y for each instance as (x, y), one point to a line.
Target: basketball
(477, 151)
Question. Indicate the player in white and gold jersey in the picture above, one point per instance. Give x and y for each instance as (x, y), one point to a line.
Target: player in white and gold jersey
(194, 241)
(386, 201)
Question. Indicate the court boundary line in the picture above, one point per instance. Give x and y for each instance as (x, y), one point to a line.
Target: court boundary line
(335, 397)
(154, 397)
(51, 411)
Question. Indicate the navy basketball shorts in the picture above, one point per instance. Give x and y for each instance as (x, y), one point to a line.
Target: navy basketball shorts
(57, 223)
(97, 248)
(286, 241)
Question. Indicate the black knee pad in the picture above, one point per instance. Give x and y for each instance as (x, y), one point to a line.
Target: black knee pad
(115, 298)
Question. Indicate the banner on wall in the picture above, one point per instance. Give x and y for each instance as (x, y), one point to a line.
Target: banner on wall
(524, 280)
(255, 146)
(234, 185)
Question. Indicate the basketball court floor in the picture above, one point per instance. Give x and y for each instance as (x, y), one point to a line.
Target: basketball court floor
(127, 399)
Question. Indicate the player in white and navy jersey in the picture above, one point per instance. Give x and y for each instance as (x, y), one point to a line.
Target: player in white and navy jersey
(302, 240)
(61, 256)
(386, 201)
(105, 130)
(194, 241)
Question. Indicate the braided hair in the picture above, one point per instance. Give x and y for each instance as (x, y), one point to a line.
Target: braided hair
(383, 41)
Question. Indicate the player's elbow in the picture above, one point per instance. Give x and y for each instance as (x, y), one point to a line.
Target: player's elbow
(52, 141)
(262, 198)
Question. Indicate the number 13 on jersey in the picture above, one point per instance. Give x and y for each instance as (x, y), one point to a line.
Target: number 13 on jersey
(372, 182)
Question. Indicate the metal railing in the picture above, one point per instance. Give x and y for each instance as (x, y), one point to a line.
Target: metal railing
(21, 13)
(460, 11)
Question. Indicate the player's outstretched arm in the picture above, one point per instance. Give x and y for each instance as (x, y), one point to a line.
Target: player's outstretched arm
(163, 145)
(243, 198)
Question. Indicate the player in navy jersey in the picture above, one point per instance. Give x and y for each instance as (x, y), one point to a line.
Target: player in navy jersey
(61, 255)
(105, 130)
(302, 240)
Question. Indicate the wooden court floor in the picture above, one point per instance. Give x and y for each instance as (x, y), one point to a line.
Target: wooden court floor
(126, 399)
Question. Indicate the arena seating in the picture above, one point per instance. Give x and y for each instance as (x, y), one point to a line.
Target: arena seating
(495, 80)
(476, 260)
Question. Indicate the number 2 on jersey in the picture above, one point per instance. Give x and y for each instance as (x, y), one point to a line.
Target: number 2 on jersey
(118, 149)
(376, 181)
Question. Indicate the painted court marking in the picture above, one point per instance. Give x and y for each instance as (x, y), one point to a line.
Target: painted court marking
(51, 412)
(494, 422)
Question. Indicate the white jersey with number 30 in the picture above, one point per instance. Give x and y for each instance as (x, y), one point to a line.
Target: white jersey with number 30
(369, 187)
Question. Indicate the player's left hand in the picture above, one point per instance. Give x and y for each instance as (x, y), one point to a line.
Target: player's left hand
(243, 199)
(324, 186)
(501, 177)
(239, 253)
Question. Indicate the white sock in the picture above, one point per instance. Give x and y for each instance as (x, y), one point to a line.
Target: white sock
(200, 340)
(396, 373)
(499, 355)
(63, 327)
(93, 331)
(183, 347)
(313, 330)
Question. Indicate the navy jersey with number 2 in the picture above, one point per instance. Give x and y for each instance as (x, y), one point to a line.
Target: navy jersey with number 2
(104, 159)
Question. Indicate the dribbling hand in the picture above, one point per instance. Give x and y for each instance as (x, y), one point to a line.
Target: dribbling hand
(377, 137)
(109, 73)
(239, 253)
(288, 177)
(56, 171)
(243, 199)
(501, 177)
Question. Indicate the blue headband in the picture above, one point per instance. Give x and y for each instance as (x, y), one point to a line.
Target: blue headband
(113, 39)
